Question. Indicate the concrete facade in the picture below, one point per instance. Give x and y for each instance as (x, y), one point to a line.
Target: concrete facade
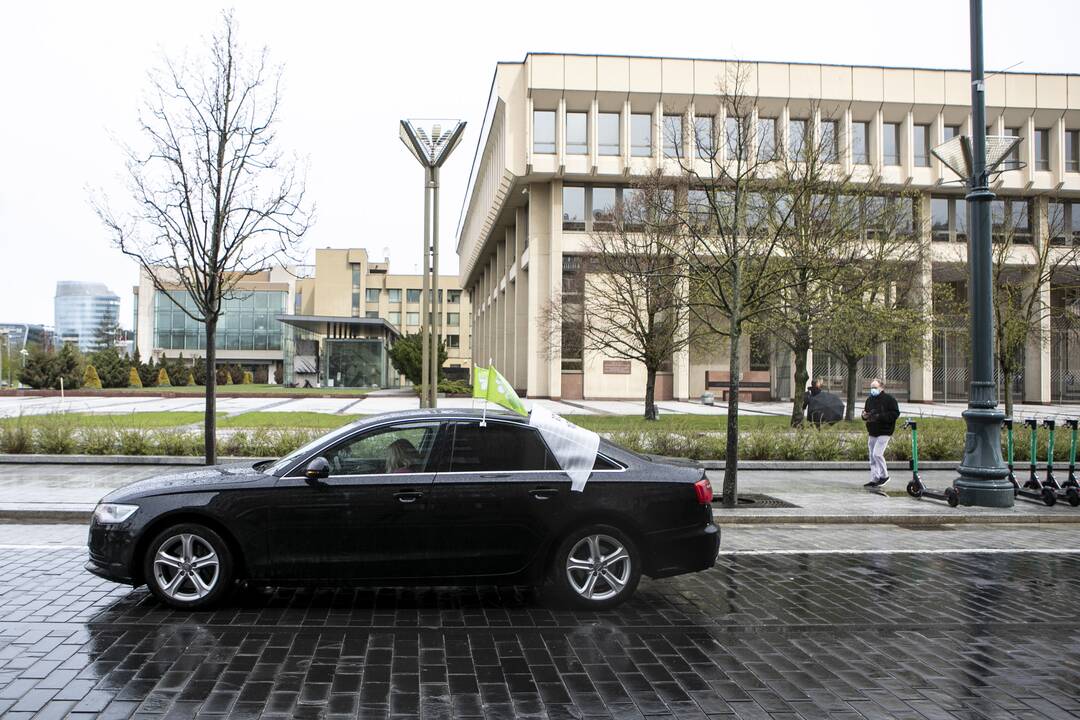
(513, 240)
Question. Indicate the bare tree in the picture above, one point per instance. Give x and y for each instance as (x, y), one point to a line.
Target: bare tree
(731, 228)
(630, 302)
(840, 230)
(214, 199)
(1025, 263)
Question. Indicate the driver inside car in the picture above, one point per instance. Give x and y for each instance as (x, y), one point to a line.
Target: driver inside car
(401, 457)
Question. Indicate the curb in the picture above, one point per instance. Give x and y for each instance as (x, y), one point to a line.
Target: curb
(731, 518)
(827, 464)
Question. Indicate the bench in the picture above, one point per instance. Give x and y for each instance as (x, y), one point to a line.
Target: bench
(754, 385)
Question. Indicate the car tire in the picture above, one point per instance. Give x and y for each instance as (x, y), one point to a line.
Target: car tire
(188, 567)
(595, 568)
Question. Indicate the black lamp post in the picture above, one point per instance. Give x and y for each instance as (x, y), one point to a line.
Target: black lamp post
(983, 475)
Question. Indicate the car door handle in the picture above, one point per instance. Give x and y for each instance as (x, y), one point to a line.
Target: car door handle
(408, 496)
(494, 475)
(544, 493)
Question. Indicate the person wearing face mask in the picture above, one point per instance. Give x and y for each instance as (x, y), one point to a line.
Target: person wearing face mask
(880, 413)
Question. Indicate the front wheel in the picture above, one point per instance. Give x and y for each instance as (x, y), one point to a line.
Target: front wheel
(1073, 496)
(596, 567)
(914, 489)
(952, 496)
(1049, 497)
(188, 567)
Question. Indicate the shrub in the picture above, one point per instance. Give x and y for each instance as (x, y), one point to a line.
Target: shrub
(191, 378)
(55, 436)
(91, 379)
(453, 387)
(111, 368)
(133, 378)
(16, 437)
(228, 377)
(134, 442)
(163, 378)
(98, 441)
(170, 441)
(247, 378)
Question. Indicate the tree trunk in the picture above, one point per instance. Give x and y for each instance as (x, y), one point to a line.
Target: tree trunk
(650, 394)
(210, 421)
(852, 387)
(1006, 378)
(799, 390)
(730, 493)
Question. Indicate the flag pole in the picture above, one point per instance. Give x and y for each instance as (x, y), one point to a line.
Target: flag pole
(483, 417)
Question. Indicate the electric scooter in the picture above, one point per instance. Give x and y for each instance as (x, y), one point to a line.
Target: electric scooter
(1070, 489)
(1033, 489)
(1070, 494)
(915, 488)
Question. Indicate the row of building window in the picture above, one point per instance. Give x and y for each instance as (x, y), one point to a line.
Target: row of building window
(393, 295)
(1009, 217)
(248, 322)
(595, 208)
(766, 138)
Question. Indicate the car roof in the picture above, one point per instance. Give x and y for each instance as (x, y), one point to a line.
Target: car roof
(439, 414)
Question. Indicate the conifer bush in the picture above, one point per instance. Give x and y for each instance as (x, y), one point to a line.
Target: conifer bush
(163, 378)
(91, 380)
(133, 378)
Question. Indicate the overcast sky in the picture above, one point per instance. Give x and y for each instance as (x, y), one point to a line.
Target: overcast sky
(72, 75)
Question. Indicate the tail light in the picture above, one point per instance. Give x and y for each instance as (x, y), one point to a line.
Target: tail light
(703, 488)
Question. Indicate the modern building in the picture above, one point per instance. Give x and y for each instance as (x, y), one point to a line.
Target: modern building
(327, 324)
(564, 135)
(346, 311)
(21, 334)
(83, 311)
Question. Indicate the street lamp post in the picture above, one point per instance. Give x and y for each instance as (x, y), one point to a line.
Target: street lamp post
(983, 475)
(430, 142)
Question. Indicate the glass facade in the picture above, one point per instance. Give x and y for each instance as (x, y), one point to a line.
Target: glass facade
(577, 133)
(860, 143)
(922, 145)
(248, 322)
(355, 363)
(766, 139)
(82, 310)
(673, 136)
(890, 137)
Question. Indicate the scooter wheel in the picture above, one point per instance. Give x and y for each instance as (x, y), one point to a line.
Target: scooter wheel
(952, 497)
(1073, 496)
(914, 490)
(1048, 496)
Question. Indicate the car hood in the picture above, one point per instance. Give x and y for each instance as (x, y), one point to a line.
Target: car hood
(193, 480)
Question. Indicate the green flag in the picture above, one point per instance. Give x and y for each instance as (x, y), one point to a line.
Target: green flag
(480, 383)
(500, 392)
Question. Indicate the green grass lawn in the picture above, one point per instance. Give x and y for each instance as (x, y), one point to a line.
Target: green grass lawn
(286, 419)
(120, 420)
(718, 423)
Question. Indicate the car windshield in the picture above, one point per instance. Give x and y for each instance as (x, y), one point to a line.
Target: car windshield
(281, 465)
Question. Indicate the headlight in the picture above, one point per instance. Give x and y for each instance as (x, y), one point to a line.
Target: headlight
(111, 513)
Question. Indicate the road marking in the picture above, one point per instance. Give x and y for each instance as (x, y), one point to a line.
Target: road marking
(893, 551)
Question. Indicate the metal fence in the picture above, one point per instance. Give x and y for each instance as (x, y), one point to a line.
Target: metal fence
(1064, 366)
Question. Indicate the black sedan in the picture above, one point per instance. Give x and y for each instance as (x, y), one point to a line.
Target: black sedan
(430, 497)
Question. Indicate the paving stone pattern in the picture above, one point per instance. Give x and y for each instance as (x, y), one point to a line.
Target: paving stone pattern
(880, 636)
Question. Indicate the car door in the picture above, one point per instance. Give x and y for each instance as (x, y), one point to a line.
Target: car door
(495, 499)
(369, 519)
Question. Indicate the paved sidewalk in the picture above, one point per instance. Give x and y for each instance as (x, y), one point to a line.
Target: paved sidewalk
(59, 493)
(374, 404)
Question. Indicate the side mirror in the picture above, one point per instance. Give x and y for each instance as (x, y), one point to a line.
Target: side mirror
(317, 469)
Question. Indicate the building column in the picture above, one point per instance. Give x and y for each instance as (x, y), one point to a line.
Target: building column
(921, 385)
(520, 320)
(680, 362)
(497, 305)
(1037, 349)
(545, 205)
(509, 313)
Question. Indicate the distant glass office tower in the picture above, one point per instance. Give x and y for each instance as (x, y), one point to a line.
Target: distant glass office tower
(82, 310)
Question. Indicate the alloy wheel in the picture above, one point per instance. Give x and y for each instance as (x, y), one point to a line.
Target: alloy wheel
(186, 567)
(598, 567)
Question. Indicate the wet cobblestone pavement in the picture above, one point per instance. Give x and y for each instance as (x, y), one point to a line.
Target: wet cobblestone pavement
(903, 635)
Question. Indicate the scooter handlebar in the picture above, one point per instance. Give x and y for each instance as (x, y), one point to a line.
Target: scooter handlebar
(1048, 423)
(1072, 423)
(1007, 422)
(909, 424)
(1032, 423)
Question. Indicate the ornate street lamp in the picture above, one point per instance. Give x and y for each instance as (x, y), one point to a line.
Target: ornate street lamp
(430, 142)
(983, 475)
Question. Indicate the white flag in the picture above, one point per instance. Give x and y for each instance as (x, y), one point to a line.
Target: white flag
(573, 446)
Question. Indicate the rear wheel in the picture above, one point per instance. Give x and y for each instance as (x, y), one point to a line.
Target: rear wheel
(596, 567)
(188, 566)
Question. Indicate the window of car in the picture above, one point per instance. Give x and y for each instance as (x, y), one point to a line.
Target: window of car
(499, 447)
(387, 450)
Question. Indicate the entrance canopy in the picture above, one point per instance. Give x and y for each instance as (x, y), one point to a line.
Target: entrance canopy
(340, 327)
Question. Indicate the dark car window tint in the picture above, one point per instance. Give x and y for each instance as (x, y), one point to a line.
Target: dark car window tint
(499, 447)
(395, 449)
(602, 463)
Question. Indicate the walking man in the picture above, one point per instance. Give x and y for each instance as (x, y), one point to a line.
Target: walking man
(880, 414)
